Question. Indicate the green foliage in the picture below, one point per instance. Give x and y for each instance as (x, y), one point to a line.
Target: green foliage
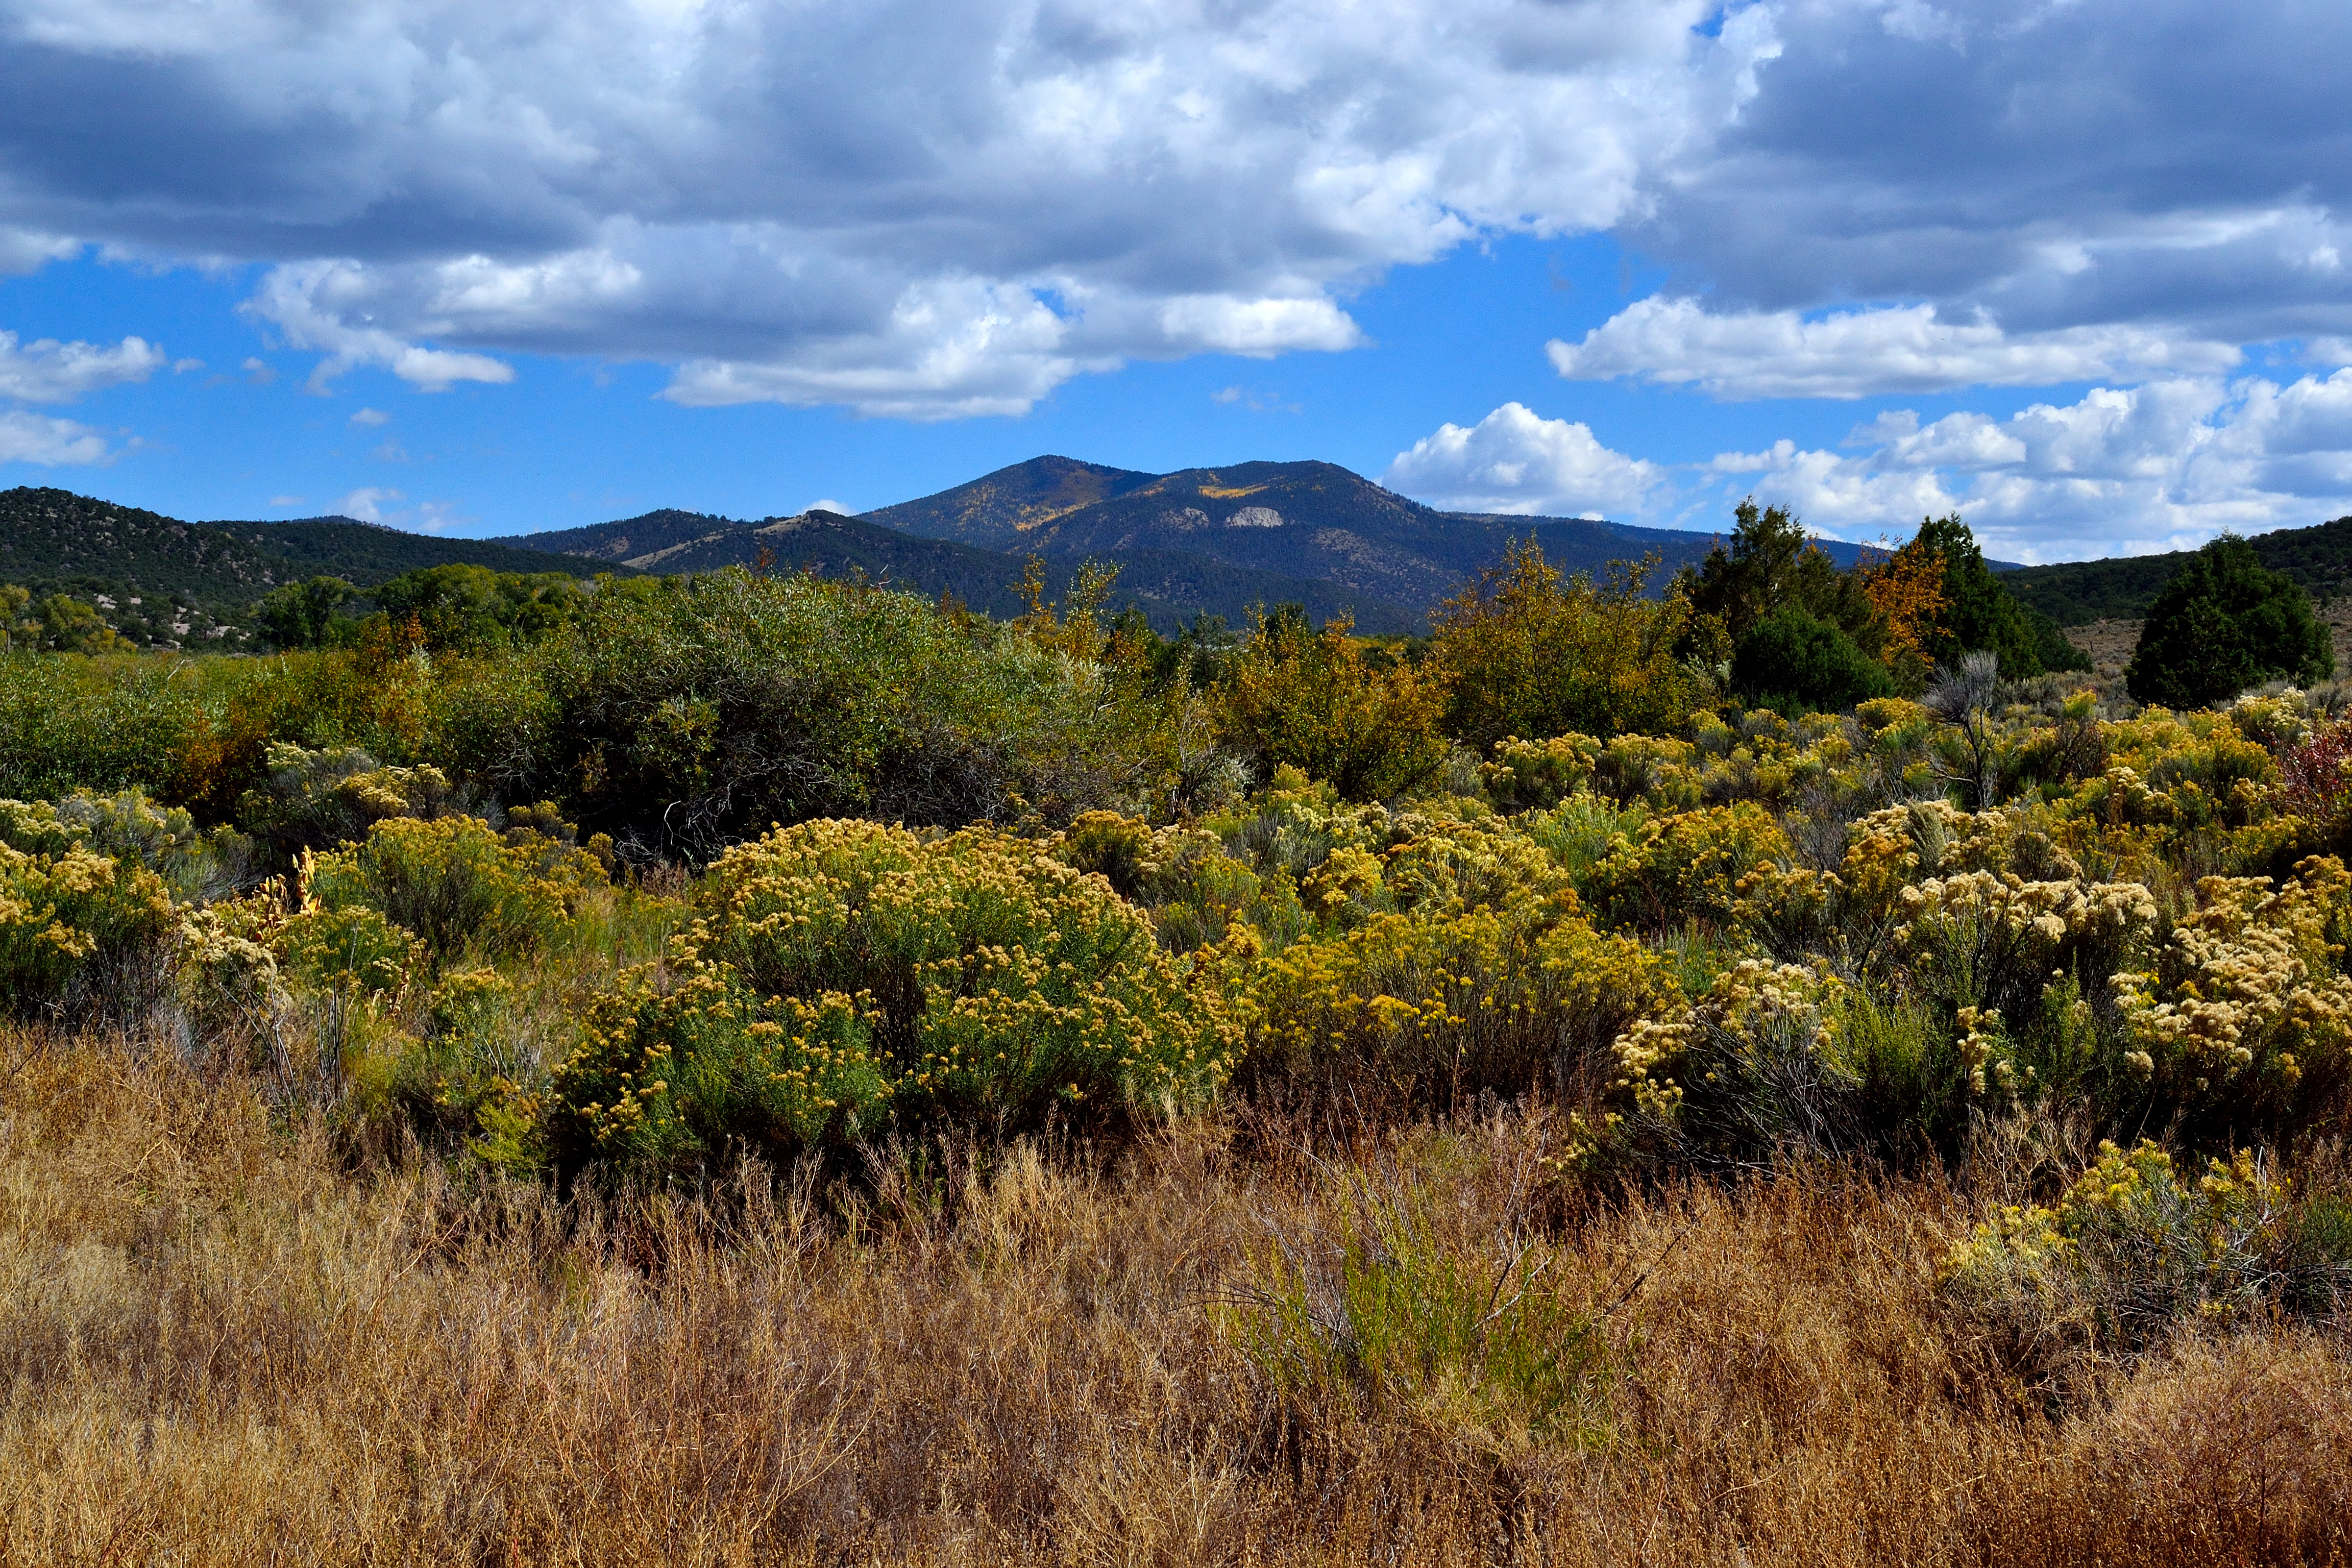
(1982, 614)
(1771, 566)
(470, 609)
(1325, 704)
(1528, 654)
(843, 972)
(455, 884)
(1395, 1320)
(2226, 622)
(1789, 657)
(305, 615)
(681, 716)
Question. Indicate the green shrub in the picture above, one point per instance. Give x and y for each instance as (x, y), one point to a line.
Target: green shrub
(841, 972)
(455, 884)
(2226, 621)
(1790, 657)
(682, 716)
(1390, 1319)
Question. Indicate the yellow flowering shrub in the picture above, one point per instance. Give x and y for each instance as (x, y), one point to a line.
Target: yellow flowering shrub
(839, 973)
(1752, 1067)
(455, 883)
(2247, 999)
(1536, 775)
(1458, 1000)
(2134, 1246)
(1687, 865)
(71, 919)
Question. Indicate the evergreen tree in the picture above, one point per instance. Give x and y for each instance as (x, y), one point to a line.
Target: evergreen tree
(2225, 623)
(1982, 614)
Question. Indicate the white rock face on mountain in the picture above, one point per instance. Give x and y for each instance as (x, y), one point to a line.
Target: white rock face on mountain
(1190, 517)
(1254, 517)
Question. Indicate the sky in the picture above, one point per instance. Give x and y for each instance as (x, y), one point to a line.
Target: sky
(2073, 269)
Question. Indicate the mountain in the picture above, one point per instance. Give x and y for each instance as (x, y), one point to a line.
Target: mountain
(163, 581)
(1310, 520)
(1171, 587)
(2076, 592)
(366, 554)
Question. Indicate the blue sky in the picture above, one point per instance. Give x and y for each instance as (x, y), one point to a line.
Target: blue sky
(2072, 268)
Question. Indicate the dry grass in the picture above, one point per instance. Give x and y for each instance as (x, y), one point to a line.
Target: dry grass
(221, 1345)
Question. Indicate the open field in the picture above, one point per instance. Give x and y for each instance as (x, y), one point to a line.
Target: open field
(225, 1345)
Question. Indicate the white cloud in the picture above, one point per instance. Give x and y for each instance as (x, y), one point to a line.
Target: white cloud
(1513, 461)
(29, 250)
(302, 303)
(367, 504)
(35, 439)
(51, 372)
(2119, 471)
(828, 504)
(277, 501)
(767, 196)
(258, 372)
(370, 417)
(1857, 353)
(770, 196)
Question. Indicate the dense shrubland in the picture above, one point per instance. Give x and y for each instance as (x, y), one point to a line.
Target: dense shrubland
(757, 1065)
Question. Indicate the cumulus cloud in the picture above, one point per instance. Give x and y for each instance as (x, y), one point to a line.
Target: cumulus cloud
(910, 206)
(51, 372)
(367, 504)
(1515, 461)
(2058, 164)
(2119, 471)
(35, 438)
(1857, 353)
(313, 305)
(934, 207)
(370, 417)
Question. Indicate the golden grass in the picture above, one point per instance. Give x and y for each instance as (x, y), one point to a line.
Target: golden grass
(221, 1344)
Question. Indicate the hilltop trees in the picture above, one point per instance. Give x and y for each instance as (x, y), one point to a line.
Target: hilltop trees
(2226, 622)
(1527, 653)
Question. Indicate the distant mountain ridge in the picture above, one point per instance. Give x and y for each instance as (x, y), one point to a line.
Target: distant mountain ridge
(163, 581)
(2121, 588)
(1171, 587)
(1310, 520)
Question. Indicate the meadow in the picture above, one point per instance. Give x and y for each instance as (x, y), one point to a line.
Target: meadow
(773, 1071)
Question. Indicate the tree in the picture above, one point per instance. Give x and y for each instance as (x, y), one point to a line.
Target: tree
(1322, 702)
(1527, 653)
(68, 626)
(471, 608)
(1789, 659)
(303, 615)
(1771, 564)
(2225, 623)
(1982, 614)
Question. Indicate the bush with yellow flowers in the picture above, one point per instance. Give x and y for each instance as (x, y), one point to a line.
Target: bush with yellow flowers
(86, 913)
(844, 975)
(455, 883)
(2245, 1018)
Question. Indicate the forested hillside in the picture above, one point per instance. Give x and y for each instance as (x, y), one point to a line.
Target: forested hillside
(2075, 593)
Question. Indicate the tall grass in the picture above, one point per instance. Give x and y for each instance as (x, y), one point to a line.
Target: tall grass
(223, 1343)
